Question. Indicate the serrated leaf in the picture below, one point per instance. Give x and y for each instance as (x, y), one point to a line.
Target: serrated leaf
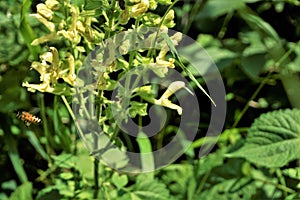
(273, 139)
(178, 178)
(149, 189)
(236, 188)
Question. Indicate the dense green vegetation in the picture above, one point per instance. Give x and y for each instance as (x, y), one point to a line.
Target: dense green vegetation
(46, 44)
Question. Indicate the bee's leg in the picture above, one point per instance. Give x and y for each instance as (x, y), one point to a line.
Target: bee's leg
(27, 123)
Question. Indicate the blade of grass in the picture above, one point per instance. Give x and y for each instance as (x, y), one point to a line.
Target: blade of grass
(15, 158)
(36, 144)
(185, 69)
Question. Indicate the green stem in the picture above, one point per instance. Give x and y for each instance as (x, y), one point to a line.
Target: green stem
(45, 125)
(203, 180)
(96, 177)
(198, 6)
(279, 186)
(74, 118)
(281, 180)
(265, 80)
(224, 25)
(152, 51)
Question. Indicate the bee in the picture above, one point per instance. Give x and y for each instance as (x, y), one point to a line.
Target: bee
(28, 118)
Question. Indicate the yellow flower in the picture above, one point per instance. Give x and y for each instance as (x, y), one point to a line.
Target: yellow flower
(139, 8)
(176, 38)
(72, 34)
(52, 4)
(170, 16)
(91, 35)
(49, 25)
(43, 10)
(51, 69)
(164, 99)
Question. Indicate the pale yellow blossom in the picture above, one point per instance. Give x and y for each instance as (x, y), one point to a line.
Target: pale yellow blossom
(49, 25)
(139, 8)
(170, 16)
(51, 69)
(164, 99)
(176, 38)
(44, 11)
(52, 4)
(50, 37)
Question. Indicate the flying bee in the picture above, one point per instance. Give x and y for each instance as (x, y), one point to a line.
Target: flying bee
(28, 118)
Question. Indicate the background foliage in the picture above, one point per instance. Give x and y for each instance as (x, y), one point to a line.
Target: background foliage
(255, 45)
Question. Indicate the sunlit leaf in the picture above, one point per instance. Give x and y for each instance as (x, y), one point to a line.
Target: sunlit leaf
(119, 180)
(148, 189)
(24, 191)
(137, 108)
(273, 139)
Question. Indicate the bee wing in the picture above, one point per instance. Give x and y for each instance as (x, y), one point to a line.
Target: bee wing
(34, 110)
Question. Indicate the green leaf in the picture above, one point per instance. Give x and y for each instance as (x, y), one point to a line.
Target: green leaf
(258, 23)
(64, 160)
(84, 163)
(236, 188)
(119, 181)
(165, 2)
(192, 77)
(216, 8)
(254, 42)
(211, 161)
(66, 175)
(178, 178)
(273, 139)
(36, 144)
(50, 192)
(185, 69)
(148, 189)
(253, 65)
(146, 154)
(137, 108)
(24, 191)
(294, 66)
(9, 185)
(292, 172)
(15, 158)
(95, 4)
